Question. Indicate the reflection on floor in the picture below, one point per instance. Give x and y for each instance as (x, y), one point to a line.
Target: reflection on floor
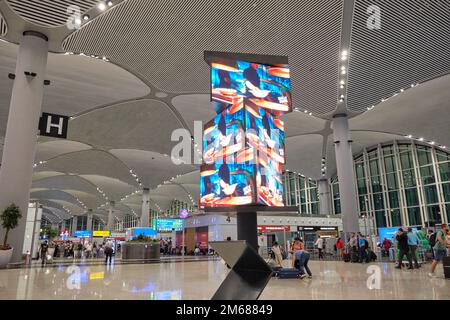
(199, 280)
(118, 260)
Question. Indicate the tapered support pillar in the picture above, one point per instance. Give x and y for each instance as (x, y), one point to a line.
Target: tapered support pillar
(324, 197)
(345, 172)
(74, 225)
(247, 228)
(110, 224)
(145, 214)
(20, 139)
(90, 217)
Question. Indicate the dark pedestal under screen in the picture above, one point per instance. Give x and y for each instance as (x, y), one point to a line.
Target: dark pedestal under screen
(247, 225)
(249, 272)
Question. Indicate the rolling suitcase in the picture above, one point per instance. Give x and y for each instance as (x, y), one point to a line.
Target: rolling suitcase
(288, 273)
(354, 257)
(275, 271)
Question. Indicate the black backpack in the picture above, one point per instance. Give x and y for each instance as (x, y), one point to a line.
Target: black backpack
(432, 239)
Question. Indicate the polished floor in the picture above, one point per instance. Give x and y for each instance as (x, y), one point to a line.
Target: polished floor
(200, 279)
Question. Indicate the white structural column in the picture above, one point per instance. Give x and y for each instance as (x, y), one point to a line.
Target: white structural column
(324, 197)
(20, 139)
(345, 172)
(89, 220)
(110, 224)
(145, 214)
(74, 224)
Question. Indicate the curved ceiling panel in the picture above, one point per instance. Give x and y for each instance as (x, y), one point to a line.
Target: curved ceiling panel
(151, 167)
(50, 215)
(164, 41)
(189, 178)
(54, 195)
(194, 107)
(38, 175)
(48, 13)
(65, 182)
(92, 162)
(365, 139)
(411, 46)
(89, 199)
(77, 83)
(298, 123)
(81, 83)
(172, 191)
(304, 154)
(421, 112)
(50, 149)
(73, 209)
(113, 188)
(161, 200)
(142, 124)
(56, 213)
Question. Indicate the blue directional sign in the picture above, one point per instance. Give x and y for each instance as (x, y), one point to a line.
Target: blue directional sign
(82, 234)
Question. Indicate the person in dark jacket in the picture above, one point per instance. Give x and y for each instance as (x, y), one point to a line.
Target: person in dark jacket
(402, 240)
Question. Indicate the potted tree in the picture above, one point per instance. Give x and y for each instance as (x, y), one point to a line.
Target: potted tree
(10, 219)
(47, 232)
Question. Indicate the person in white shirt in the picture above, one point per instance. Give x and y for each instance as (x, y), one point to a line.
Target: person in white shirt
(108, 251)
(319, 245)
(276, 249)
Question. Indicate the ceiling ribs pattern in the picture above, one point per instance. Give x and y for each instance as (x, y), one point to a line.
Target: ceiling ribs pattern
(165, 40)
(412, 46)
(48, 13)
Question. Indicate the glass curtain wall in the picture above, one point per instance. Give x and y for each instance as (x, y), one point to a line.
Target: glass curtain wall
(130, 221)
(302, 192)
(401, 184)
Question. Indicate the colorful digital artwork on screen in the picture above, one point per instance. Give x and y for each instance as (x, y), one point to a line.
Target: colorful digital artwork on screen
(243, 145)
(267, 87)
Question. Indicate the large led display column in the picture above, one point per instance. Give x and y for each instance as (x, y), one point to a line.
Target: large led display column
(243, 145)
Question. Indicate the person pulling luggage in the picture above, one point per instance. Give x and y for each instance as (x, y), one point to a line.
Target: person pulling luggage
(301, 262)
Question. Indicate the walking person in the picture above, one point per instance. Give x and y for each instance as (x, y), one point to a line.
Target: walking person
(413, 243)
(278, 257)
(402, 240)
(362, 248)
(43, 252)
(386, 245)
(439, 248)
(353, 244)
(340, 247)
(108, 251)
(319, 245)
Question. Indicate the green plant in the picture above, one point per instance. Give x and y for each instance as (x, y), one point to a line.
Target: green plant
(10, 219)
(49, 231)
(142, 239)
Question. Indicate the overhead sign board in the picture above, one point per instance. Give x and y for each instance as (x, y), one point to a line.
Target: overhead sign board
(102, 233)
(169, 224)
(53, 125)
(317, 228)
(82, 234)
(273, 228)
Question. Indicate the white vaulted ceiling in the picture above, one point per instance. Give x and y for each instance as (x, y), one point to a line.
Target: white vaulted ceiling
(156, 81)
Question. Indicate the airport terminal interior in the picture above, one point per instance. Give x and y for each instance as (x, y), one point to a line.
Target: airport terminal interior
(184, 150)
